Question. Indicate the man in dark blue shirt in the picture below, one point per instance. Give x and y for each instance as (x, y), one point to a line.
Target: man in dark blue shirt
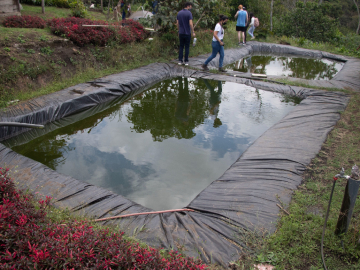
(184, 22)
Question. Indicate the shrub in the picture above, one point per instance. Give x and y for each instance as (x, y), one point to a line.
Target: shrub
(61, 3)
(132, 31)
(72, 28)
(30, 241)
(78, 9)
(24, 22)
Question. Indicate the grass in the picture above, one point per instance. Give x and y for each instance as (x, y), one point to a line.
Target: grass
(8, 36)
(54, 12)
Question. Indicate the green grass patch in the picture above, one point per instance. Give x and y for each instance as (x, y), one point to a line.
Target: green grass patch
(9, 36)
(55, 12)
(50, 12)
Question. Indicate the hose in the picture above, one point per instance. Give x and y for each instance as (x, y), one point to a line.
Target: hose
(146, 213)
(326, 218)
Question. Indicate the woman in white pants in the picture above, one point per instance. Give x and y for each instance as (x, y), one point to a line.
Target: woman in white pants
(251, 25)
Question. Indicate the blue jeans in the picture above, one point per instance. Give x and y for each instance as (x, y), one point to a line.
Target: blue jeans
(216, 48)
(251, 31)
(184, 42)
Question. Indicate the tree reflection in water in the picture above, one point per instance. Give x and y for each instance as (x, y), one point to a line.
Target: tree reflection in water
(175, 107)
(304, 68)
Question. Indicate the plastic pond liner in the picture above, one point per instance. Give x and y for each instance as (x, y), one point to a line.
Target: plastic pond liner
(244, 197)
(161, 147)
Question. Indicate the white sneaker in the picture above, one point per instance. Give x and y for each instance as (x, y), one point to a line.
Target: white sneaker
(180, 63)
(186, 63)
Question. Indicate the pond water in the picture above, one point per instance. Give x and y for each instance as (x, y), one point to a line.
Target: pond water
(304, 68)
(163, 146)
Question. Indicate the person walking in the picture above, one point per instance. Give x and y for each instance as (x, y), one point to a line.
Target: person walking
(251, 25)
(123, 9)
(247, 24)
(217, 44)
(242, 18)
(184, 23)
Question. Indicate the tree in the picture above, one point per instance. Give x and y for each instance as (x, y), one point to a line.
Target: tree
(357, 8)
(43, 6)
(271, 14)
(207, 10)
(310, 21)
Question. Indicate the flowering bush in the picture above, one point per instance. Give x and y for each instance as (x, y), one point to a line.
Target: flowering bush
(73, 29)
(24, 22)
(30, 241)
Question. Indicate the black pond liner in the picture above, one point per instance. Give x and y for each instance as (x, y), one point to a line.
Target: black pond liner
(243, 198)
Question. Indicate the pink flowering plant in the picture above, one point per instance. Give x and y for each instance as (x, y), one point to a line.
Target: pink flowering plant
(30, 240)
(24, 22)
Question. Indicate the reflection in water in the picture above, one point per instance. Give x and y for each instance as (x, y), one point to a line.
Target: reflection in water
(173, 110)
(305, 68)
(214, 101)
(163, 146)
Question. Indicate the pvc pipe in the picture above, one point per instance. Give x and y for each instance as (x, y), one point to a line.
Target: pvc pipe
(16, 124)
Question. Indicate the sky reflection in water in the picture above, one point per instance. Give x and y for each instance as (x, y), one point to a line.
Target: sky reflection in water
(165, 145)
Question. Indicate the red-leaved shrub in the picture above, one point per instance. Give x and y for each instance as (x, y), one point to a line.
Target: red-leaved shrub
(24, 22)
(73, 29)
(136, 29)
(30, 241)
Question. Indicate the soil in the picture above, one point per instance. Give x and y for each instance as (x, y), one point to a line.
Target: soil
(28, 63)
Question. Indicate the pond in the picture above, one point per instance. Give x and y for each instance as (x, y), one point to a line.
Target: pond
(163, 146)
(304, 68)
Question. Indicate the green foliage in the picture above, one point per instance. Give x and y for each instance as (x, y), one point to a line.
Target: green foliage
(309, 21)
(207, 10)
(171, 38)
(261, 10)
(20, 38)
(78, 9)
(43, 38)
(46, 50)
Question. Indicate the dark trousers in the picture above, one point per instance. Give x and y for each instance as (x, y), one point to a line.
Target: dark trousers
(184, 42)
(246, 28)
